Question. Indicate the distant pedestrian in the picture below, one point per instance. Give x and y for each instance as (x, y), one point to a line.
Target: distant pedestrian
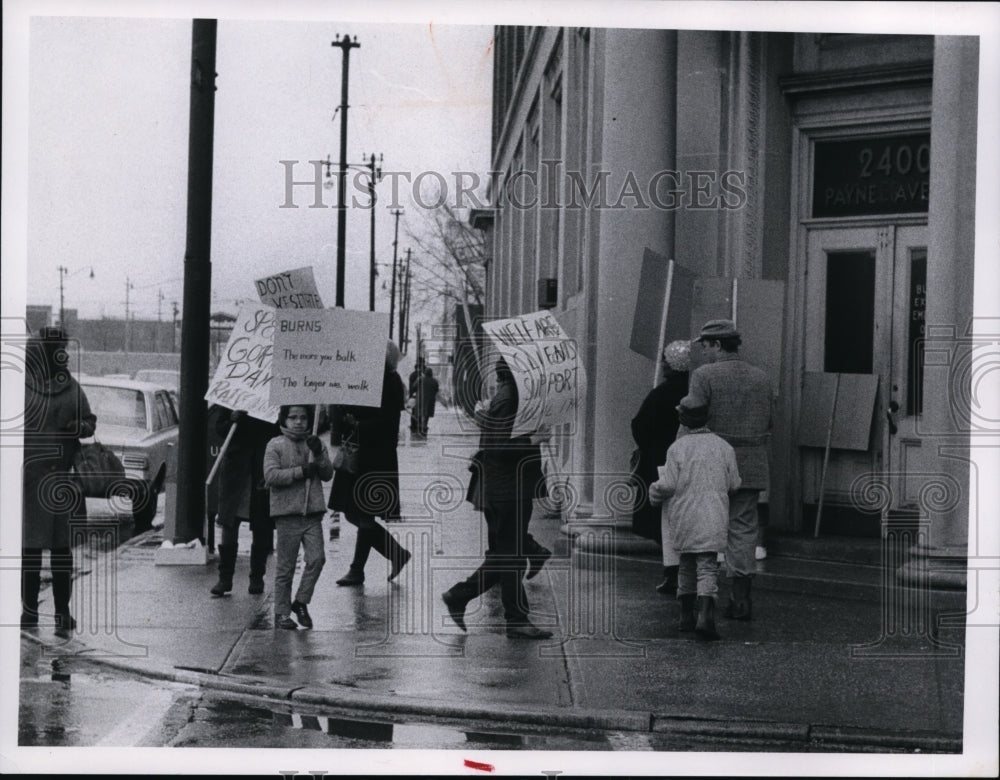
(411, 396)
(373, 490)
(296, 463)
(56, 416)
(243, 496)
(698, 476)
(654, 429)
(740, 402)
(511, 474)
(427, 391)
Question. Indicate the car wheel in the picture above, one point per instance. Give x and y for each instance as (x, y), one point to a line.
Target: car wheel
(144, 506)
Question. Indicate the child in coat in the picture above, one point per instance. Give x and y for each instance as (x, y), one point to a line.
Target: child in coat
(294, 465)
(699, 474)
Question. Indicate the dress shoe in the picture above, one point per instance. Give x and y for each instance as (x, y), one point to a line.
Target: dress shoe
(399, 563)
(302, 614)
(527, 631)
(353, 577)
(456, 607)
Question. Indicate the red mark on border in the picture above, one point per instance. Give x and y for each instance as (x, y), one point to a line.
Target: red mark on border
(478, 765)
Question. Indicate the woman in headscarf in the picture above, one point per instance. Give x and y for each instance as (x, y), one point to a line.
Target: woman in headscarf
(374, 490)
(56, 416)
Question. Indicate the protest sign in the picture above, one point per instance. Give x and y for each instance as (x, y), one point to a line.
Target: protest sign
(329, 356)
(546, 366)
(295, 289)
(243, 377)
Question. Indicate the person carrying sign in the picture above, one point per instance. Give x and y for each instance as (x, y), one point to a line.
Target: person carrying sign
(243, 496)
(740, 401)
(511, 476)
(373, 489)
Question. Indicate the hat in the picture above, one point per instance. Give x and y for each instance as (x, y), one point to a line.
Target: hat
(677, 355)
(691, 416)
(718, 329)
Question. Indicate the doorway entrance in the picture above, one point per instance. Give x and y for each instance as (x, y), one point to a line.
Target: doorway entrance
(865, 297)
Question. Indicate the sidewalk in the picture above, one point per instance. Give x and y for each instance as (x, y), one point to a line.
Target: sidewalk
(807, 668)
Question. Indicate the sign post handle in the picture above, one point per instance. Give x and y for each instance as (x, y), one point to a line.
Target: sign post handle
(826, 455)
(663, 324)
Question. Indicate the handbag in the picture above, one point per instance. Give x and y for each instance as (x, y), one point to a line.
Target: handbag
(98, 469)
(349, 457)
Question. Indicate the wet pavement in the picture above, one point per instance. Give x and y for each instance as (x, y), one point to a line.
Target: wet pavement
(810, 672)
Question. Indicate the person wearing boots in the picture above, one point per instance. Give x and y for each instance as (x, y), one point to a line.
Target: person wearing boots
(740, 408)
(509, 483)
(243, 496)
(654, 429)
(373, 491)
(56, 416)
(698, 477)
(295, 465)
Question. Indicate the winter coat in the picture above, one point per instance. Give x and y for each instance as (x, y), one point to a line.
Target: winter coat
(654, 429)
(283, 461)
(512, 469)
(240, 478)
(427, 391)
(56, 416)
(377, 435)
(701, 471)
(740, 401)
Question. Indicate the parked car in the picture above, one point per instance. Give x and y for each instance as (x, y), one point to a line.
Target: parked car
(138, 421)
(164, 377)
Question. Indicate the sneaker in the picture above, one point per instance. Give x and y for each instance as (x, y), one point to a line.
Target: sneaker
(302, 614)
(397, 565)
(536, 561)
(456, 607)
(760, 553)
(285, 621)
(527, 631)
(353, 577)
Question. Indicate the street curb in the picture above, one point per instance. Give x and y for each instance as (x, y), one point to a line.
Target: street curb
(583, 719)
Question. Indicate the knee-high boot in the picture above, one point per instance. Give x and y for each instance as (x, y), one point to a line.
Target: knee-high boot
(61, 563)
(227, 565)
(31, 579)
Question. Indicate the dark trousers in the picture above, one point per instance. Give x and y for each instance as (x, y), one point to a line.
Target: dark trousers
(61, 564)
(372, 535)
(504, 563)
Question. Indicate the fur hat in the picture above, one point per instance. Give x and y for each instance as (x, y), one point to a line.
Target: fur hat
(677, 355)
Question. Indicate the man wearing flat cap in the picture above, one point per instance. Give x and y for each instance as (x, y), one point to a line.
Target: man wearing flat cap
(740, 401)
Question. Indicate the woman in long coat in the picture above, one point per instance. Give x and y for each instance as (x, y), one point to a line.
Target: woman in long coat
(374, 490)
(654, 429)
(56, 416)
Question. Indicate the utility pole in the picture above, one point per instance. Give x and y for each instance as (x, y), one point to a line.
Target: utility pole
(159, 316)
(173, 333)
(397, 213)
(345, 44)
(128, 328)
(402, 297)
(404, 327)
(375, 177)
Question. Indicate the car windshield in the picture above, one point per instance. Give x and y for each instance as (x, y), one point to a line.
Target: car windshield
(117, 405)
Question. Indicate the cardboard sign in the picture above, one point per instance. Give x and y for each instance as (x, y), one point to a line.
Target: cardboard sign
(295, 289)
(546, 365)
(243, 377)
(329, 356)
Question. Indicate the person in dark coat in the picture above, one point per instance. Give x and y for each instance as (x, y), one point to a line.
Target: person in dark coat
(374, 490)
(56, 416)
(427, 391)
(654, 429)
(511, 473)
(411, 394)
(243, 496)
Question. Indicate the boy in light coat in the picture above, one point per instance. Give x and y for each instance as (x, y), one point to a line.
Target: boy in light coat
(699, 474)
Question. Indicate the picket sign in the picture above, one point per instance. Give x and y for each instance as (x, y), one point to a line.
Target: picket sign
(295, 289)
(546, 366)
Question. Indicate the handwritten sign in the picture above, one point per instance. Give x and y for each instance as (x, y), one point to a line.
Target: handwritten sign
(546, 366)
(295, 289)
(329, 356)
(243, 378)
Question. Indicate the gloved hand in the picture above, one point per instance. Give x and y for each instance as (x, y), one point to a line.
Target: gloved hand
(314, 444)
(310, 470)
(236, 415)
(86, 430)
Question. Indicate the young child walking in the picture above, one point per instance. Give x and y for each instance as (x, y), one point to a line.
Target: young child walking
(294, 465)
(699, 474)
